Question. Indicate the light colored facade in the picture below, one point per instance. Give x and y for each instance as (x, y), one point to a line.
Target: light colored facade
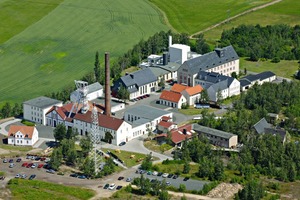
(35, 109)
(22, 135)
(95, 91)
(217, 137)
(250, 80)
(224, 61)
(179, 53)
(192, 94)
(172, 99)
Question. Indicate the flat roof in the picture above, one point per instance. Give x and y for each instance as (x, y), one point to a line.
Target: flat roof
(146, 112)
(42, 102)
(212, 131)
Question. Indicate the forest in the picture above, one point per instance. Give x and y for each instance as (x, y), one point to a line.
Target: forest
(277, 42)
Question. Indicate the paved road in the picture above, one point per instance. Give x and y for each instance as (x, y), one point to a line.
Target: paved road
(5, 126)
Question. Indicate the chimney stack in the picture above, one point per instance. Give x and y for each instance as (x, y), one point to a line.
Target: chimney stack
(107, 86)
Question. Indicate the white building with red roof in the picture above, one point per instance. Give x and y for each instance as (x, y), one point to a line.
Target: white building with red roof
(22, 135)
(166, 124)
(172, 99)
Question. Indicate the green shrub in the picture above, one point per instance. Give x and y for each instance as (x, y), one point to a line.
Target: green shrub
(181, 188)
(27, 123)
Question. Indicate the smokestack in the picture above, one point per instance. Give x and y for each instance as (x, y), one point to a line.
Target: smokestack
(170, 40)
(107, 86)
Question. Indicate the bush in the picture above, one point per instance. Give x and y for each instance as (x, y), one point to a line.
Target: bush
(275, 60)
(181, 188)
(208, 187)
(27, 123)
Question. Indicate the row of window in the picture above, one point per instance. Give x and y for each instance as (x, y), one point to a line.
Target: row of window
(19, 142)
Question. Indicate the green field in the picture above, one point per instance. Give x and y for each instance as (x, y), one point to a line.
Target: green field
(284, 12)
(191, 16)
(34, 189)
(285, 68)
(60, 46)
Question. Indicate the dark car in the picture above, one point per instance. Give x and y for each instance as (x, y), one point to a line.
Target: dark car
(74, 175)
(142, 171)
(106, 186)
(120, 178)
(32, 176)
(186, 179)
(51, 171)
(175, 176)
(19, 160)
(29, 165)
(11, 160)
(81, 177)
(159, 174)
(122, 143)
(170, 175)
(37, 158)
(119, 187)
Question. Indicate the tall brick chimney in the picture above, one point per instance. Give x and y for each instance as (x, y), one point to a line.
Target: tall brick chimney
(107, 86)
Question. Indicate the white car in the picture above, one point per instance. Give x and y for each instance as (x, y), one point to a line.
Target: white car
(34, 165)
(17, 176)
(155, 173)
(112, 186)
(165, 175)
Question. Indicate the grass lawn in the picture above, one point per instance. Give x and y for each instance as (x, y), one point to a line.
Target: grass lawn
(154, 146)
(125, 156)
(191, 16)
(15, 148)
(284, 12)
(285, 68)
(34, 189)
(60, 46)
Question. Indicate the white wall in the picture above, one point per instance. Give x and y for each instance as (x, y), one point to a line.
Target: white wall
(20, 139)
(179, 53)
(234, 88)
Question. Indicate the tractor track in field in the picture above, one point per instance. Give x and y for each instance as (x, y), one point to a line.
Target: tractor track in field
(235, 16)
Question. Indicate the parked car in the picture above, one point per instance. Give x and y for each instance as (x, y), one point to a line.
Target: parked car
(17, 176)
(40, 165)
(120, 178)
(51, 171)
(119, 187)
(23, 176)
(32, 176)
(168, 183)
(170, 175)
(43, 158)
(29, 165)
(159, 174)
(4, 160)
(24, 164)
(142, 171)
(175, 176)
(155, 173)
(186, 179)
(128, 179)
(122, 143)
(149, 173)
(81, 177)
(60, 173)
(47, 160)
(34, 165)
(165, 175)
(19, 160)
(74, 175)
(11, 160)
(106, 186)
(37, 158)
(112, 186)
(11, 165)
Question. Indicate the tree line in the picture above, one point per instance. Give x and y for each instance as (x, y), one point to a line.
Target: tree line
(271, 42)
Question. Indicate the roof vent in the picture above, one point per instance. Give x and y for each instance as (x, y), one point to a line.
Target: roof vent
(184, 131)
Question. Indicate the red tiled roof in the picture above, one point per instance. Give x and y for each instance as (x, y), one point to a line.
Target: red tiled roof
(170, 96)
(165, 124)
(178, 88)
(177, 134)
(166, 118)
(25, 130)
(103, 120)
(194, 90)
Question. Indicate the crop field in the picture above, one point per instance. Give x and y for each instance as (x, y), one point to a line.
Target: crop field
(60, 47)
(191, 16)
(284, 12)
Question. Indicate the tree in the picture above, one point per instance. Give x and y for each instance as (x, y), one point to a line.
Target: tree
(97, 67)
(71, 157)
(234, 75)
(59, 132)
(162, 83)
(108, 137)
(56, 158)
(6, 110)
(147, 163)
(219, 97)
(169, 138)
(201, 46)
(88, 167)
(16, 110)
(253, 190)
(204, 96)
(109, 167)
(182, 188)
(123, 93)
(86, 145)
(186, 167)
(71, 133)
(163, 195)
(245, 71)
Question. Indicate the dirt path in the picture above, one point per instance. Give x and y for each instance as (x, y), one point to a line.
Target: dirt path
(192, 196)
(233, 17)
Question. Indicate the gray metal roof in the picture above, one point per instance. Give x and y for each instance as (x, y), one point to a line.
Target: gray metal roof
(159, 70)
(139, 78)
(139, 122)
(261, 125)
(211, 59)
(261, 76)
(94, 87)
(276, 131)
(42, 102)
(213, 77)
(244, 82)
(146, 112)
(212, 131)
(251, 78)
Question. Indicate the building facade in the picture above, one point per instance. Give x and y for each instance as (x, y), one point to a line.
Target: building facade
(22, 135)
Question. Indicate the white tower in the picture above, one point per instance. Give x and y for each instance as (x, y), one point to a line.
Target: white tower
(95, 135)
(82, 91)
